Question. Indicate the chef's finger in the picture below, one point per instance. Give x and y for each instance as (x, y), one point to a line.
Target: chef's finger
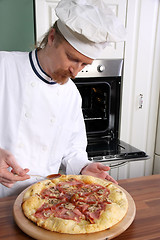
(103, 167)
(11, 161)
(9, 185)
(109, 178)
(6, 180)
(13, 177)
(26, 170)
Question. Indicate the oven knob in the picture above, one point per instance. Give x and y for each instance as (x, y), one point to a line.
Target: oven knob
(101, 68)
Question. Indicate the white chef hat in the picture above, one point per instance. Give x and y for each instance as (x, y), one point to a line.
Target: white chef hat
(88, 25)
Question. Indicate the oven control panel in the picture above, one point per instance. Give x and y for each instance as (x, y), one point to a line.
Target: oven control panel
(102, 68)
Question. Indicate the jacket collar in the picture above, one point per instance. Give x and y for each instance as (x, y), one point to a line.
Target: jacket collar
(37, 68)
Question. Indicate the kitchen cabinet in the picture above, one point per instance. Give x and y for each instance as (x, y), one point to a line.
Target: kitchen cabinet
(141, 79)
(156, 169)
(141, 73)
(126, 170)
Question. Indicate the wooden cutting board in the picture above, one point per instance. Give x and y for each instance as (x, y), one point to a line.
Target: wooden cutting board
(41, 234)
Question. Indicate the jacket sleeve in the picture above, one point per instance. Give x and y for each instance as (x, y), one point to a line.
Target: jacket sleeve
(75, 157)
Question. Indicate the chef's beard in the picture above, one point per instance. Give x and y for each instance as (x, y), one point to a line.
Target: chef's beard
(61, 76)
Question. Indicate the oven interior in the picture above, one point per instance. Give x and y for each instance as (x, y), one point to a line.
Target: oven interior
(100, 106)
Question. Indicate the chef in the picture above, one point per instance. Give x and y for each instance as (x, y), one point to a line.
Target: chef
(41, 122)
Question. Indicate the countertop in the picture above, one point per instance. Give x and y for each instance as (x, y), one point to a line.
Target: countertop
(144, 190)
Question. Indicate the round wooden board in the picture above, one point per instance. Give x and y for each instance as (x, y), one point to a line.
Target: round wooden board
(41, 234)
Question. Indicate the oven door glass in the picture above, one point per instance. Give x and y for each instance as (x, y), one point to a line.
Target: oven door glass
(100, 105)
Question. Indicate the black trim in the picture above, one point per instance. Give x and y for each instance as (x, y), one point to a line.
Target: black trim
(34, 69)
(39, 64)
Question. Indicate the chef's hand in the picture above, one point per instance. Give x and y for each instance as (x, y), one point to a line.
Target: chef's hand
(98, 170)
(17, 173)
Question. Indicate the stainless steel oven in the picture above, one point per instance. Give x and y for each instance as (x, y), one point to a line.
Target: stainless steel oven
(100, 87)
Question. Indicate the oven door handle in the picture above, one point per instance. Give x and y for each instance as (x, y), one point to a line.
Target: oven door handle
(116, 165)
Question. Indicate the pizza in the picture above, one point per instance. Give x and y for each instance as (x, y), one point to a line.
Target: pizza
(75, 204)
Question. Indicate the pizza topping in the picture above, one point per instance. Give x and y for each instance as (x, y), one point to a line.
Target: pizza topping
(44, 206)
(69, 206)
(37, 194)
(64, 211)
(92, 208)
(100, 191)
(52, 193)
(43, 212)
(91, 216)
(82, 206)
(53, 201)
(47, 214)
(93, 212)
(75, 200)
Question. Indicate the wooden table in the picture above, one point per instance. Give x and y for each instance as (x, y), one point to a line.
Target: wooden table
(146, 226)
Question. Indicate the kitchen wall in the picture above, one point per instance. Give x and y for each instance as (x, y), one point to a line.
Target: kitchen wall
(17, 31)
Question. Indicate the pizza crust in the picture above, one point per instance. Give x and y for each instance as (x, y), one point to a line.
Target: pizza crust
(112, 214)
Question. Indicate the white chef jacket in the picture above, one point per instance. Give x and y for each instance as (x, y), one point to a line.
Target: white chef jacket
(41, 122)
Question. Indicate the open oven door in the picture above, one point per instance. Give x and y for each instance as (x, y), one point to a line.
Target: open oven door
(100, 87)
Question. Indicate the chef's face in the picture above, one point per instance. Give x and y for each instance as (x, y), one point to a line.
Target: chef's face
(64, 60)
